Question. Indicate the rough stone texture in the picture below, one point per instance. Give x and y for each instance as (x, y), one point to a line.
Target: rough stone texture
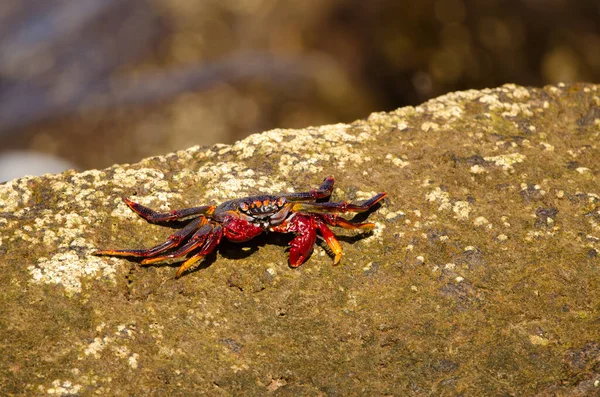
(482, 277)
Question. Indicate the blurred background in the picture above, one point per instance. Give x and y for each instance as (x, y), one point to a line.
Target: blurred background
(88, 83)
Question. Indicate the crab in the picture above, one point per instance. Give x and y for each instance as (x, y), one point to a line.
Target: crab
(239, 220)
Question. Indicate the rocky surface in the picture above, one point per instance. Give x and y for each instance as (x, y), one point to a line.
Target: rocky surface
(481, 278)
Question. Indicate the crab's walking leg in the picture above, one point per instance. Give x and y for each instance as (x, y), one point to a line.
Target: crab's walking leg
(194, 242)
(331, 241)
(173, 241)
(322, 192)
(209, 245)
(335, 220)
(329, 237)
(153, 216)
(341, 206)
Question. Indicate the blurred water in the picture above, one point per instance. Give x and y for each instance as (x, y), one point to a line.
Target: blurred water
(15, 164)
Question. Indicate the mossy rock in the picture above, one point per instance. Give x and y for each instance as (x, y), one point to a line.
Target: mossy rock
(481, 277)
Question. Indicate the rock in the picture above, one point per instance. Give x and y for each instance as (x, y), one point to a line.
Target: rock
(478, 279)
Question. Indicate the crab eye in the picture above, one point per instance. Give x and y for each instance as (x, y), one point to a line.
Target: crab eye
(281, 201)
(244, 206)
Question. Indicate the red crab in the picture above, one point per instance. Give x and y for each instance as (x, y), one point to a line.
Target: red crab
(242, 219)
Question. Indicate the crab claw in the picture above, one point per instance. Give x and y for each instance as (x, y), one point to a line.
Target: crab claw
(239, 230)
(306, 235)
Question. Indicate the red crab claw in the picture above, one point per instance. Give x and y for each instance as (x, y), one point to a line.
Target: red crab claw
(305, 227)
(302, 245)
(239, 230)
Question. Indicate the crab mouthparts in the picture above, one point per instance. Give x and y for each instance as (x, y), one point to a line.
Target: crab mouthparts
(262, 222)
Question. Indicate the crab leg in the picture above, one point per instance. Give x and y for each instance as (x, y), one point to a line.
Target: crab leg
(322, 192)
(172, 241)
(329, 237)
(335, 220)
(331, 241)
(153, 216)
(341, 206)
(211, 242)
(194, 242)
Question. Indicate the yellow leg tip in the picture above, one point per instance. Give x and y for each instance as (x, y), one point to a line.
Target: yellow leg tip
(108, 252)
(337, 258)
(187, 264)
